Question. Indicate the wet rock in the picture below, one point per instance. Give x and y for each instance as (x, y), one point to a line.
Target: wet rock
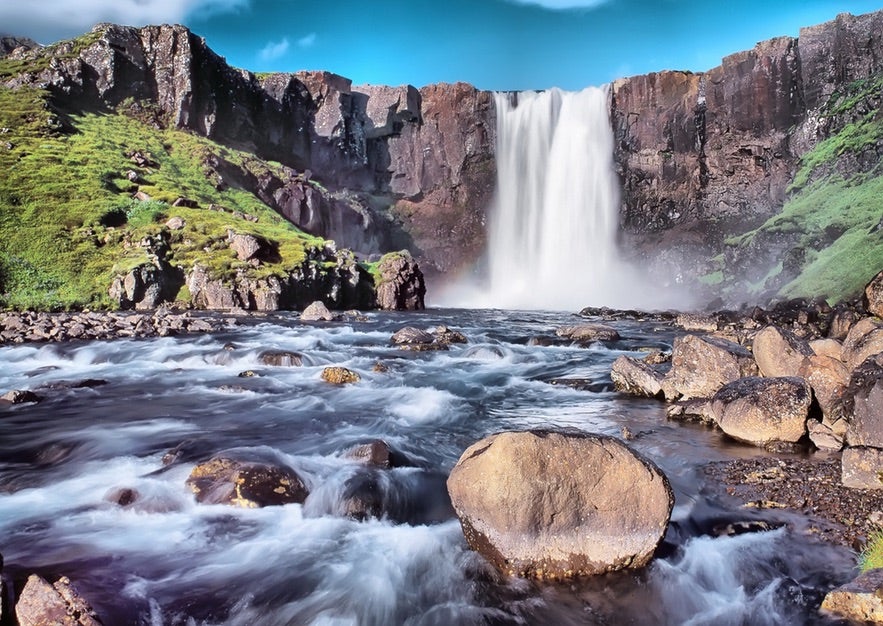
(375, 453)
(401, 286)
(410, 338)
(246, 483)
(841, 322)
(763, 411)
(700, 366)
(123, 496)
(557, 505)
(635, 377)
(363, 497)
(578, 384)
(873, 295)
(248, 374)
(20, 396)
(447, 336)
(742, 527)
(779, 352)
(317, 312)
(863, 404)
(276, 358)
(858, 601)
(587, 333)
(862, 467)
(59, 604)
(340, 376)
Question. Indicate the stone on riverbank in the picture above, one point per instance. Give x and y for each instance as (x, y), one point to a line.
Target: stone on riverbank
(864, 339)
(281, 358)
(860, 600)
(873, 297)
(862, 468)
(59, 604)
(763, 411)
(700, 366)
(863, 403)
(557, 505)
(636, 378)
(779, 352)
(246, 483)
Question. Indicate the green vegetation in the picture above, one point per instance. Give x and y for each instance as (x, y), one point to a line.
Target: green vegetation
(68, 221)
(832, 220)
(872, 556)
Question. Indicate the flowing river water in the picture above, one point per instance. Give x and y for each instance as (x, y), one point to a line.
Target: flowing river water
(167, 560)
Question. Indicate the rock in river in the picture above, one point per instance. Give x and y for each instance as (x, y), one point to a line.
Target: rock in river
(557, 505)
(247, 483)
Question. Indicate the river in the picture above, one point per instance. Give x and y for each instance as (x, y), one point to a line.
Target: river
(166, 560)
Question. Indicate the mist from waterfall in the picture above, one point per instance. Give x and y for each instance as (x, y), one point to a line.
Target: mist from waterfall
(552, 240)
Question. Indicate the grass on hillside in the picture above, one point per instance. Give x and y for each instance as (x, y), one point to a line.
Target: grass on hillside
(872, 556)
(67, 218)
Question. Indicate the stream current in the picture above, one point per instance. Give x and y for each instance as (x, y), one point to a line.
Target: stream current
(166, 560)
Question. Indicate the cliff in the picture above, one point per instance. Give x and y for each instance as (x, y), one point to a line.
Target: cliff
(414, 166)
(715, 165)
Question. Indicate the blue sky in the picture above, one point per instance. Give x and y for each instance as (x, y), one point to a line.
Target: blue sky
(493, 44)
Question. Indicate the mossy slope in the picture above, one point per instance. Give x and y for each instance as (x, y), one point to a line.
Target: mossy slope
(68, 221)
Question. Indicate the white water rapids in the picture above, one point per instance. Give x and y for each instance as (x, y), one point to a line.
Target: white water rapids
(552, 238)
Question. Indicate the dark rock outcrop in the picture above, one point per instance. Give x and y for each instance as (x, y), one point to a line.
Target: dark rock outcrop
(401, 286)
(556, 505)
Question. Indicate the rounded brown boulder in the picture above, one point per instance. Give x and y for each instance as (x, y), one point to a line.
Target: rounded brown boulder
(559, 505)
(238, 480)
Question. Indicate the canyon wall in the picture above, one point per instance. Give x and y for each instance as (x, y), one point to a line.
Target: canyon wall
(707, 156)
(403, 167)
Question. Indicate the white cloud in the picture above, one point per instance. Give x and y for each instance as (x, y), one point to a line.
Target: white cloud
(560, 5)
(50, 20)
(307, 41)
(274, 49)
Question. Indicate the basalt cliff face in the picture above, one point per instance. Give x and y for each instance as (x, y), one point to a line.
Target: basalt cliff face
(715, 165)
(402, 167)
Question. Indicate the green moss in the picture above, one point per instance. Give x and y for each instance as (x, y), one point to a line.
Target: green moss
(68, 222)
(714, 278)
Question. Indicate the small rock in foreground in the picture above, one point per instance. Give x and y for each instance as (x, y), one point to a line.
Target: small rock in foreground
(42, 604)
(340, 376)
(860, 600)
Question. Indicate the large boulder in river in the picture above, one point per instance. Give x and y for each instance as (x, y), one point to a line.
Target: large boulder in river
(763, 411)
(401, 286)
(59, 604)
(779, 352)
(556, 505)
(244, 481)
(862, 468)
(636, 377)
(702, 365)
(317, 312)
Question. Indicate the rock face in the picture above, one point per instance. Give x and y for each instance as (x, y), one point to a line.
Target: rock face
(423, 158)
(553, 505)
(779, 353)
(401, 286)
(703, 155)
(636, 377)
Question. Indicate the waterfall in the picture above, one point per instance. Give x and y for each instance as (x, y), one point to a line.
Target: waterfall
(553, 225)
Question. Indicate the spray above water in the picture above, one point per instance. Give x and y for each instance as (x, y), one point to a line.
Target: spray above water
(552, 241)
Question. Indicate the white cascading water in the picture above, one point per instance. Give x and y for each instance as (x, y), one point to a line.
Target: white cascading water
(553, 226)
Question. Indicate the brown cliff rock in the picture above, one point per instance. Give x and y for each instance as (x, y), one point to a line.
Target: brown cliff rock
(401, 286)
